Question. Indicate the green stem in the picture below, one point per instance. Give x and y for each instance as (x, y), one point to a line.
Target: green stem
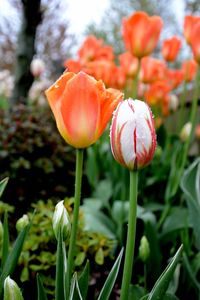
(72, 243)
(182, 104)
(192, 118)
(136, 81)
(130, 243)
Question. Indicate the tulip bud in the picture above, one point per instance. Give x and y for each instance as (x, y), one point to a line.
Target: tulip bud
(61, 221)
(144, 250)
(185, 131)
(22, 222)
(37, 67)
(11, 290)
(173, 102)
(132, 134)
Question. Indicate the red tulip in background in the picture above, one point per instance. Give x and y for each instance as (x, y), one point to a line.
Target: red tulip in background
(129, 64)
(82, 107)
(189, 23)
(170, 48)
(132, 134)
(189, 69)
(195, 41)
(152, 70)
(141, 33)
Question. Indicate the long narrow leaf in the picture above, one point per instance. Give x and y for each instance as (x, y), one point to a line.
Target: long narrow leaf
(75, 292)
(83, 280)
(13, 257)
(162, 283)
(41, 294)
(5, 246)
(110, 281)
(3, 184)
(60, 268)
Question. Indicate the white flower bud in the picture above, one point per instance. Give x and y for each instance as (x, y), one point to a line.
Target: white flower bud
(61, 221)
(22, 222)
(11, 290)
(185, 131)
(37, 67)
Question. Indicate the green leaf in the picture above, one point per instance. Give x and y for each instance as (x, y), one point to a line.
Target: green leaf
(163, 281)
(110, 281)
(5, 246)
(175, 172)
(3, 184)
(191, 272)
(80, 258)
(41, 294)
(13, 256)
(74, 289)
(60, 268)
(83, 281)
(190, 184)
(99, 256)
(135, 292)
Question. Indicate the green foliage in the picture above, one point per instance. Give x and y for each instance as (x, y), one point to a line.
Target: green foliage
(31, 152)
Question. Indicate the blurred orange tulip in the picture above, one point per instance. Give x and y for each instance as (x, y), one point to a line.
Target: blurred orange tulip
(188, 26)
(101, 70)
(158, 94)
(141, 33)
(82, 107)
(72, 65)
(129, 64)
(195, 41)
(174, 77)
(152, 70)
(93, 49)
(170, 48)
(189, 68)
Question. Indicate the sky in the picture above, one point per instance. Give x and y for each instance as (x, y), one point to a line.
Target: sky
(83, 12)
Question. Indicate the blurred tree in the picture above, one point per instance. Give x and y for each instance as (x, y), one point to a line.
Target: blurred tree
(110, 26)
(53, 41)
(192, 7)
(25, 51)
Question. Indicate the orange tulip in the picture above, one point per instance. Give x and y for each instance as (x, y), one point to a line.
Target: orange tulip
(195, 41)
(189, 68)
(152, 70)
(93, 49)
(82, 107)
(174, 77)
(72, 65)
(141, 33)
(129, 64)
(189, 23)
(101, 70)
(170, 48)
(158, 94)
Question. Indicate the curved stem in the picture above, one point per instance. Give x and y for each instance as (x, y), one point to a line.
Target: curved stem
(72, 243)
(130, 243)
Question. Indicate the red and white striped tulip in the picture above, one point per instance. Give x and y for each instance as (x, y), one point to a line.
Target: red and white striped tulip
(132, 134)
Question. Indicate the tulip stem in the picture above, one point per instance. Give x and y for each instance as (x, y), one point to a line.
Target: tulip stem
(72, 243)
(136, 80)
(130, 242)
(182, 103)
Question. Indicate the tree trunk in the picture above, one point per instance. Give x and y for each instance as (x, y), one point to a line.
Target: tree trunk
(25, 50)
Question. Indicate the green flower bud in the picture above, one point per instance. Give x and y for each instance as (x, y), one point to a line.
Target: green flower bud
(11, 290)
(185, 132)
(144, 250)
(22, 222)
(61, 221)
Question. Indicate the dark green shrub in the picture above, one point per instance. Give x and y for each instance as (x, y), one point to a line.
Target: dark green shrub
(34, 156)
